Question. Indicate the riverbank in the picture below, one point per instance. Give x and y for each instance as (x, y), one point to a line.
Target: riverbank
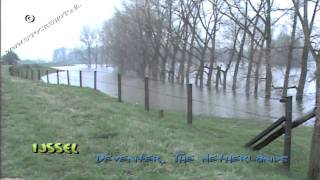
(35, 112)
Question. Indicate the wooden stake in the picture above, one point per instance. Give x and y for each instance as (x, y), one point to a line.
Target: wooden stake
(119, 88)
(146, 93)
(288, 131)
(189, 104)
(80, 74)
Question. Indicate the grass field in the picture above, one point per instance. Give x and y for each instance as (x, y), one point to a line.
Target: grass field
(34, 112)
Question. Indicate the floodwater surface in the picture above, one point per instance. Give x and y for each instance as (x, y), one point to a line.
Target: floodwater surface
(168, 96)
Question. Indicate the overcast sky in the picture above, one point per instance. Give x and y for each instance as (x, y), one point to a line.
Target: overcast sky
(65, 33)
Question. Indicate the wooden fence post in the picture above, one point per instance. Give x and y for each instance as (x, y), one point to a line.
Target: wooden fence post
(27, 74)
(161, 113)
(218, 77)
(80, 78)
(39, 75)
(31, 74)
(58, 77)
(119, 88)
(288, 129)
(146, 93)
(68, 79)
(95, 80)
(189, 104)
(47, 76)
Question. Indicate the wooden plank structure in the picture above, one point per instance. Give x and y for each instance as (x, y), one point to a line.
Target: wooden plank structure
(273, 132)
(265, 132)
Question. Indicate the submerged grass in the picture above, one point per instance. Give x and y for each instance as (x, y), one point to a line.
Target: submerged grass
(34, 112)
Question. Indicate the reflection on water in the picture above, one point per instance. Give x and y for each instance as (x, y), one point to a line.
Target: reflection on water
(168, 96)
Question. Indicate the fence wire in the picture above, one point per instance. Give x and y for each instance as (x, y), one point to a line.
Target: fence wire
(88, 81)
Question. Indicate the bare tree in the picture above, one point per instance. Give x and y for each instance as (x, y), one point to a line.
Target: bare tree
(60, 55)
(268, 50)
(314, 166)
(253, 47)
(88, 37)
(235, 18)
(290, 53)
(306, 48)
(216, 8)
(232, 53)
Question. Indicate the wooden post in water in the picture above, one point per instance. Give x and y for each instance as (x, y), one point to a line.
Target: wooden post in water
(68, 79)
(47, 76)
(80, 78)
(39, 75)
(58, 77)
(95, 79)
(288, 130)
(218, 77)
(189, 104)
(119, 88)
(146, 93)
(161, 113)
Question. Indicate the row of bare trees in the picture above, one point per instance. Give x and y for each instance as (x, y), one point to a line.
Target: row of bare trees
(189, 41)
(193, 41)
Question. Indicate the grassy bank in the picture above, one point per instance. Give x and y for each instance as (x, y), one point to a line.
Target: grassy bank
(35, 112)
(26, 70)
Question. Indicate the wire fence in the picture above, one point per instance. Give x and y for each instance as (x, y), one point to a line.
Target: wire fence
(165, 91)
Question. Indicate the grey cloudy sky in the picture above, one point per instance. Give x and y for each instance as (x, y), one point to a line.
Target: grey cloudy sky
(64, 33)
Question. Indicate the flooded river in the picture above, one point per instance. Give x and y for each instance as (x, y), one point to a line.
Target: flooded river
(168, 96)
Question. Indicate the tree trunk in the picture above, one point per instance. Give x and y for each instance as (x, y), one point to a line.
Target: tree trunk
(290, 54)
(251, 56)
(268, 52)
(196, 78)
(257, 73)
(189, 59)
(190, 54)
(304, 71)
(184, 51)
(173, 64)
(248, 78)
(201, 69)
(233, 51)
(218, 77)
(314, 166)
(305, 53)
(225, 73)
(163, 69)
(235, 74)
(213, 54)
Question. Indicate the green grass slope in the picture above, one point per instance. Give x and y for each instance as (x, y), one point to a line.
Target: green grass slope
(34, 112)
